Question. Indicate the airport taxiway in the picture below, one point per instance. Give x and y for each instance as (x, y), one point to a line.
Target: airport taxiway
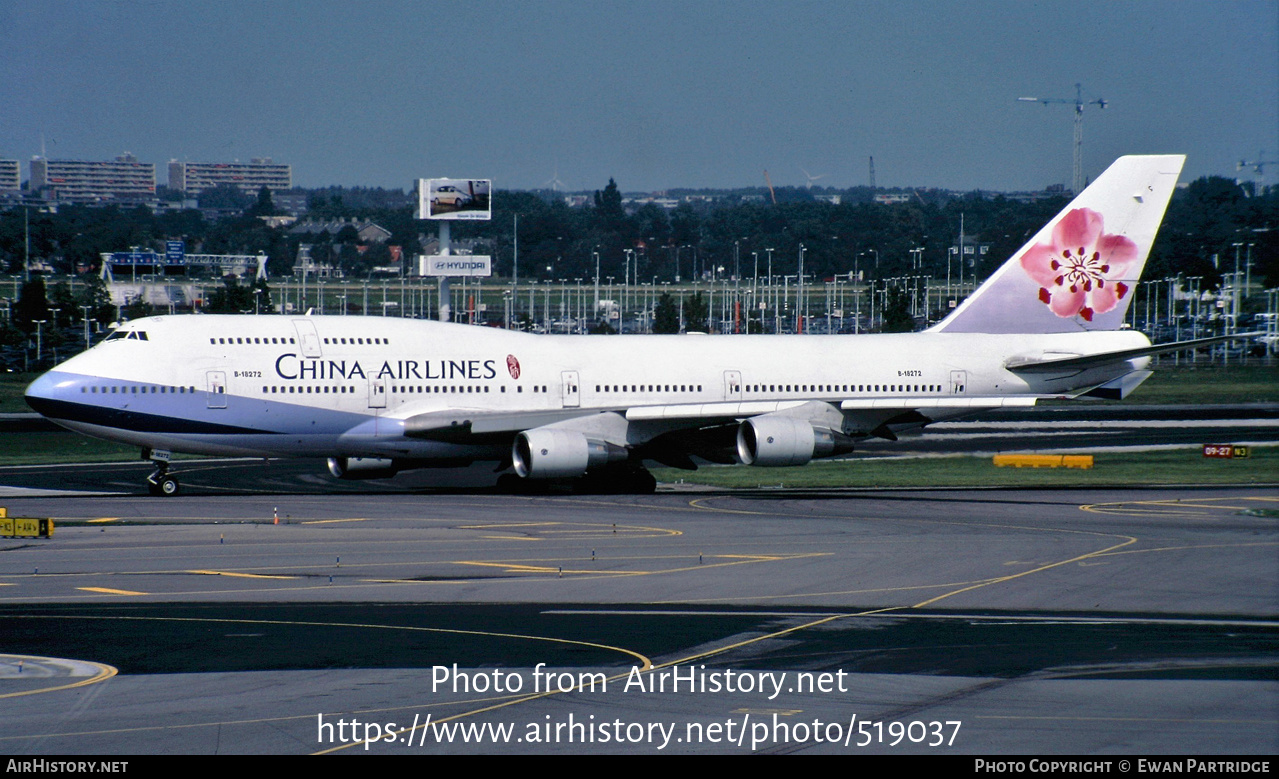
(1049, 621)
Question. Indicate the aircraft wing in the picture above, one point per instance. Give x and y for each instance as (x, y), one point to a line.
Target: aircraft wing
(692, 426)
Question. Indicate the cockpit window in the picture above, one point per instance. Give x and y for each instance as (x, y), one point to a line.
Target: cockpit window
(134, 335)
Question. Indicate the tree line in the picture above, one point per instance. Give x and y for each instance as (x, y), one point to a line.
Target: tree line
(1210, 218)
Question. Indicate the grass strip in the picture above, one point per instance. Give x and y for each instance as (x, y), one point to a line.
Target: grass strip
(1111, 469)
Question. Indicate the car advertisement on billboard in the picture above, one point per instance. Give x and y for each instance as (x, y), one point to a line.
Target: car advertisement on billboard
(454, 199)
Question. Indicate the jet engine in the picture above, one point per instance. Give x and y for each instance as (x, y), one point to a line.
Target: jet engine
(354, 468)
(780, 441)
(550, 453)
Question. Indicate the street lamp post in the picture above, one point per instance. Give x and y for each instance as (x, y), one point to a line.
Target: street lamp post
(39, 342)
(771, 294)
(857, 300)
(800, 297)
(86, 325)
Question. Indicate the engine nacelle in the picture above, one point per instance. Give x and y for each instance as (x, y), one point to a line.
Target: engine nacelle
(354, 468)
(782, 441)
(549, 453)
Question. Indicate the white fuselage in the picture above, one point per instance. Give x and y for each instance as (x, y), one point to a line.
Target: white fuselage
(345, 386)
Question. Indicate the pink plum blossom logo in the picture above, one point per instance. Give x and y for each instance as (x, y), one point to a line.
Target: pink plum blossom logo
(512, 366)
(1077, 272)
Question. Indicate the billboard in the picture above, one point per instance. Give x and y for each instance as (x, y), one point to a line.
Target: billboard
(455, 265)
(134, 258)
(454, 199)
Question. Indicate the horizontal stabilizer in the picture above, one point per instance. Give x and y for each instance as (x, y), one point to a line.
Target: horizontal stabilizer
(1021, 365)
(1120, 387)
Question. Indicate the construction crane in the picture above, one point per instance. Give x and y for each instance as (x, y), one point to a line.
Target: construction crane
(1077, 180)
(872, 172)
(1258, 167)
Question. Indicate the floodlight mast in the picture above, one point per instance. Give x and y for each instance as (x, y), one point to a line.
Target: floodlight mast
(1077, 179)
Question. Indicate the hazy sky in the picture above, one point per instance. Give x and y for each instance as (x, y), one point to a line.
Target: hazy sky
(654, 94)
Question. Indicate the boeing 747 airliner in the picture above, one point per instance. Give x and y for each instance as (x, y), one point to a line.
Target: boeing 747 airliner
(379, 395)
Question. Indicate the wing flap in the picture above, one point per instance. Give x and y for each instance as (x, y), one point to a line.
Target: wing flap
(727, 410)
(922, 404)
(434, 424)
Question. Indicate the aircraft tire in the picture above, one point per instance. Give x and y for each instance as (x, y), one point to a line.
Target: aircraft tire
(644, 482)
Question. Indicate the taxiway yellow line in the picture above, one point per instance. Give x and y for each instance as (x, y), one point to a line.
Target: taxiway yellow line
(495, 525)
(104, 672)
(1166, 508)
(109, 591)
(1187, 548)
(1010, 577)
(646, 663)
(242, 575)
(697, 504)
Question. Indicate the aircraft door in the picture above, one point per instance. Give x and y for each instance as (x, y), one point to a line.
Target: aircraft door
(732, 385)
(217, 389)
(570, 389)
(958, 382)
(308, 338)
(377, 393)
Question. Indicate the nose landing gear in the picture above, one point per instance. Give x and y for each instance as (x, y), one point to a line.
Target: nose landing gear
(160, 482)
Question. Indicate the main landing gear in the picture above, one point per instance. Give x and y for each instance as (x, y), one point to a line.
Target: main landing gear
(161, 482)
(617, 480)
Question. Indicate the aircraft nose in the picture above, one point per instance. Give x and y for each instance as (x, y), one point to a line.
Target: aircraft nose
(50, 387)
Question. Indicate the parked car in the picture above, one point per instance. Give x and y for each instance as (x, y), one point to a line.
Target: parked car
(449, 195)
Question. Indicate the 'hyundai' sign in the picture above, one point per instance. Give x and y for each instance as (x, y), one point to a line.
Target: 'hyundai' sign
(456, 265)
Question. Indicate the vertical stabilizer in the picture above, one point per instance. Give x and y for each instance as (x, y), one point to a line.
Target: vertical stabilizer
(1079, 272)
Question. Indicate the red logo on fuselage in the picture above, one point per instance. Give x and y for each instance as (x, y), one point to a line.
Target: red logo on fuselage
(513, 365)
